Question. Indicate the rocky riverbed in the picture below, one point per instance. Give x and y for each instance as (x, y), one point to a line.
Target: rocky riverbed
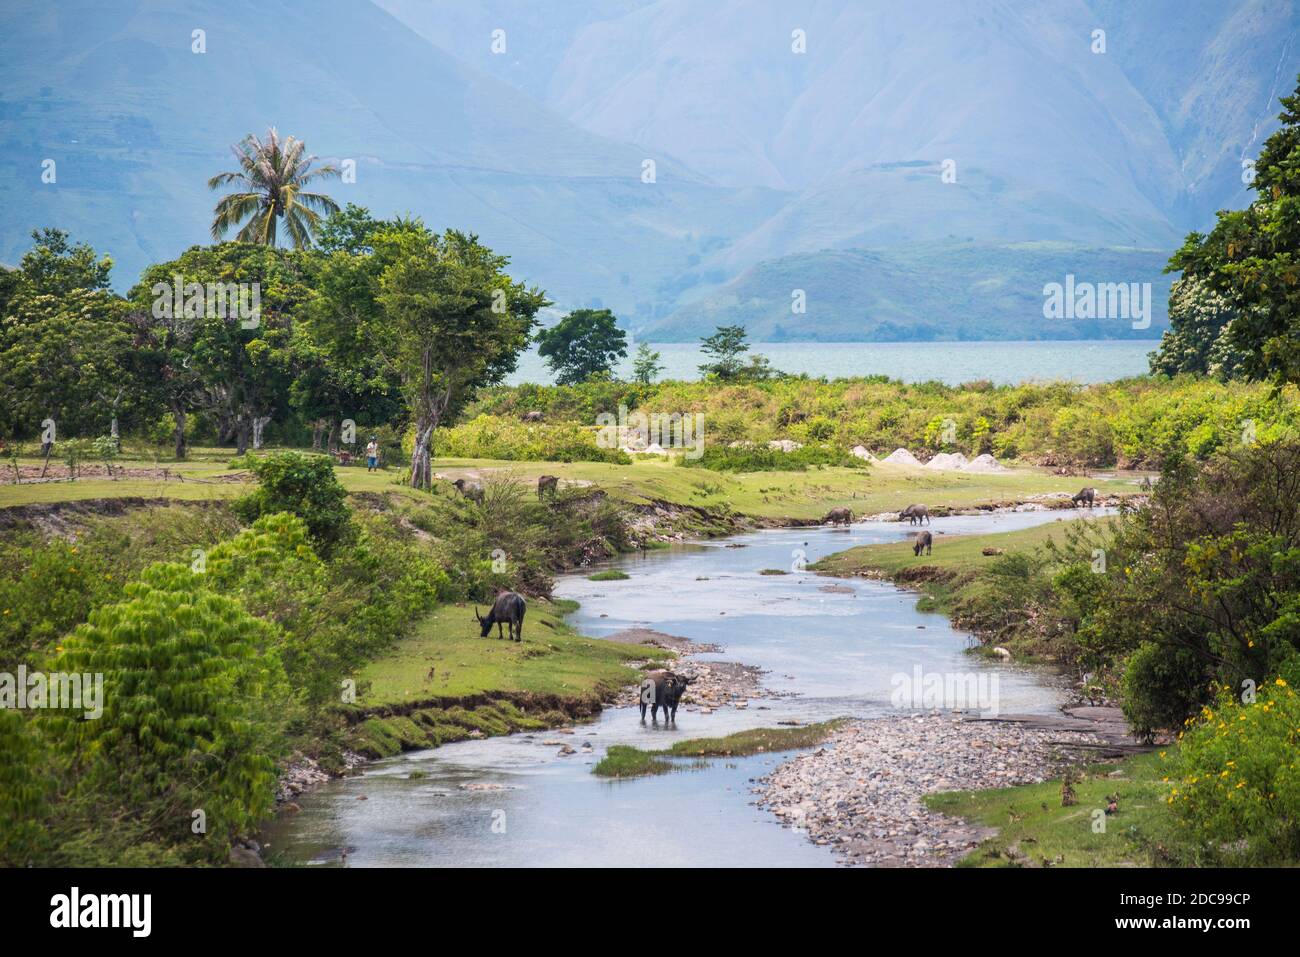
(714, 684)
(860, 793)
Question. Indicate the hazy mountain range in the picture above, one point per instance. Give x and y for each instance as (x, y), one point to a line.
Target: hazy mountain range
(774, 170)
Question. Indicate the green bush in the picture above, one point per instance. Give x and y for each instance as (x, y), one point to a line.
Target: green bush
(25, 786)
(332, 616)
(194, 697)
(1162, 685)
(1134, 421)
(306, 486)
(495, 437)
(44, 591)
(1235, 774)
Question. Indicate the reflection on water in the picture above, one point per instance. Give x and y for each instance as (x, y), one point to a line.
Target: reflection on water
(515, 801)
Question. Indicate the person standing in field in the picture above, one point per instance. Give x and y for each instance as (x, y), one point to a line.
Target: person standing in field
(372, 455)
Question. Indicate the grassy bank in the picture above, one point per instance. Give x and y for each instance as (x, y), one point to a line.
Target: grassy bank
(959, 577)
(624, 761)
(1035, 830)
(445, 683)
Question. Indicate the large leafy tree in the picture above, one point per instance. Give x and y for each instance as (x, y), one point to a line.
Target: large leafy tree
(450, 321)
(584, 344)
(342, 372)
(270, 187)
(56, 266)
(1252, 257)
(1199, 337)
(67, 350)
(65, 358)
(243, 369)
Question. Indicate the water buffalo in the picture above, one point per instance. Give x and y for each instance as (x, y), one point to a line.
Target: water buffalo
(533, 416)
(508, 610)
(923, 540)
(547, 483)
(915, 514)
(1086, 495)
(838, 516)
(662, 689)
(471, 490)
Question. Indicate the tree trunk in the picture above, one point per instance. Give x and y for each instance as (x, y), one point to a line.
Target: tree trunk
(259, 423)
(428, 410)
(421, 469)
(317, 428)
(178, 414)
(241, 435)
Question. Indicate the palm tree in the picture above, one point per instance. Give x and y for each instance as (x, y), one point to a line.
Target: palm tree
(272, 175)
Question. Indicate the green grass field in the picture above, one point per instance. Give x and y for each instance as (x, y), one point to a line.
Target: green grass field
(446, 658)
(1036, 831)
(771, 496)
(446, 683)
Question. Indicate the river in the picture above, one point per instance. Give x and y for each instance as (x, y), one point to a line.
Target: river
(527, 805)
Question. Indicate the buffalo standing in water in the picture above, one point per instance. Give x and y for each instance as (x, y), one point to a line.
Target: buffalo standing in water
(1086, 496)
(662, 689)
(923, 540)
(914, 514)
(838, 516)
(507, 610)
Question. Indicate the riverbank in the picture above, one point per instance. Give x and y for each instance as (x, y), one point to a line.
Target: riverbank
(440, 682)
(953, 579)
(445, 683)
(862, 793)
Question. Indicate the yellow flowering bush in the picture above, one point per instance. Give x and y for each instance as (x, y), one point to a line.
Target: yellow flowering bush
(1235, 774)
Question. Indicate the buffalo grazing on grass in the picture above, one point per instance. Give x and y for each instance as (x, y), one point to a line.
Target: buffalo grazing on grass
(507, 610)
(471, 490)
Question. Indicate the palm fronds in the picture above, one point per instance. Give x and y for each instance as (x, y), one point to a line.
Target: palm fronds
(270, 178)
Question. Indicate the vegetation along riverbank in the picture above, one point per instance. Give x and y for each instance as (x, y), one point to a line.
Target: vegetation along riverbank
(270, 539)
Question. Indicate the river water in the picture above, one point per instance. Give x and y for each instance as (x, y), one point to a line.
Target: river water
(527, 805)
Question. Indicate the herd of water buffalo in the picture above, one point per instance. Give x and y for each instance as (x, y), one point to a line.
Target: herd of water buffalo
(920, 515)
(664, 689)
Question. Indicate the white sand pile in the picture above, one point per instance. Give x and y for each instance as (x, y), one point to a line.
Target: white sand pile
(901, 457)
(862, 452)
(984, 463)
(784, 445)
(947, 461)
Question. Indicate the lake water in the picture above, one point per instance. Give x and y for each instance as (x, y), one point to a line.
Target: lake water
(838, 651)
(951, 362)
